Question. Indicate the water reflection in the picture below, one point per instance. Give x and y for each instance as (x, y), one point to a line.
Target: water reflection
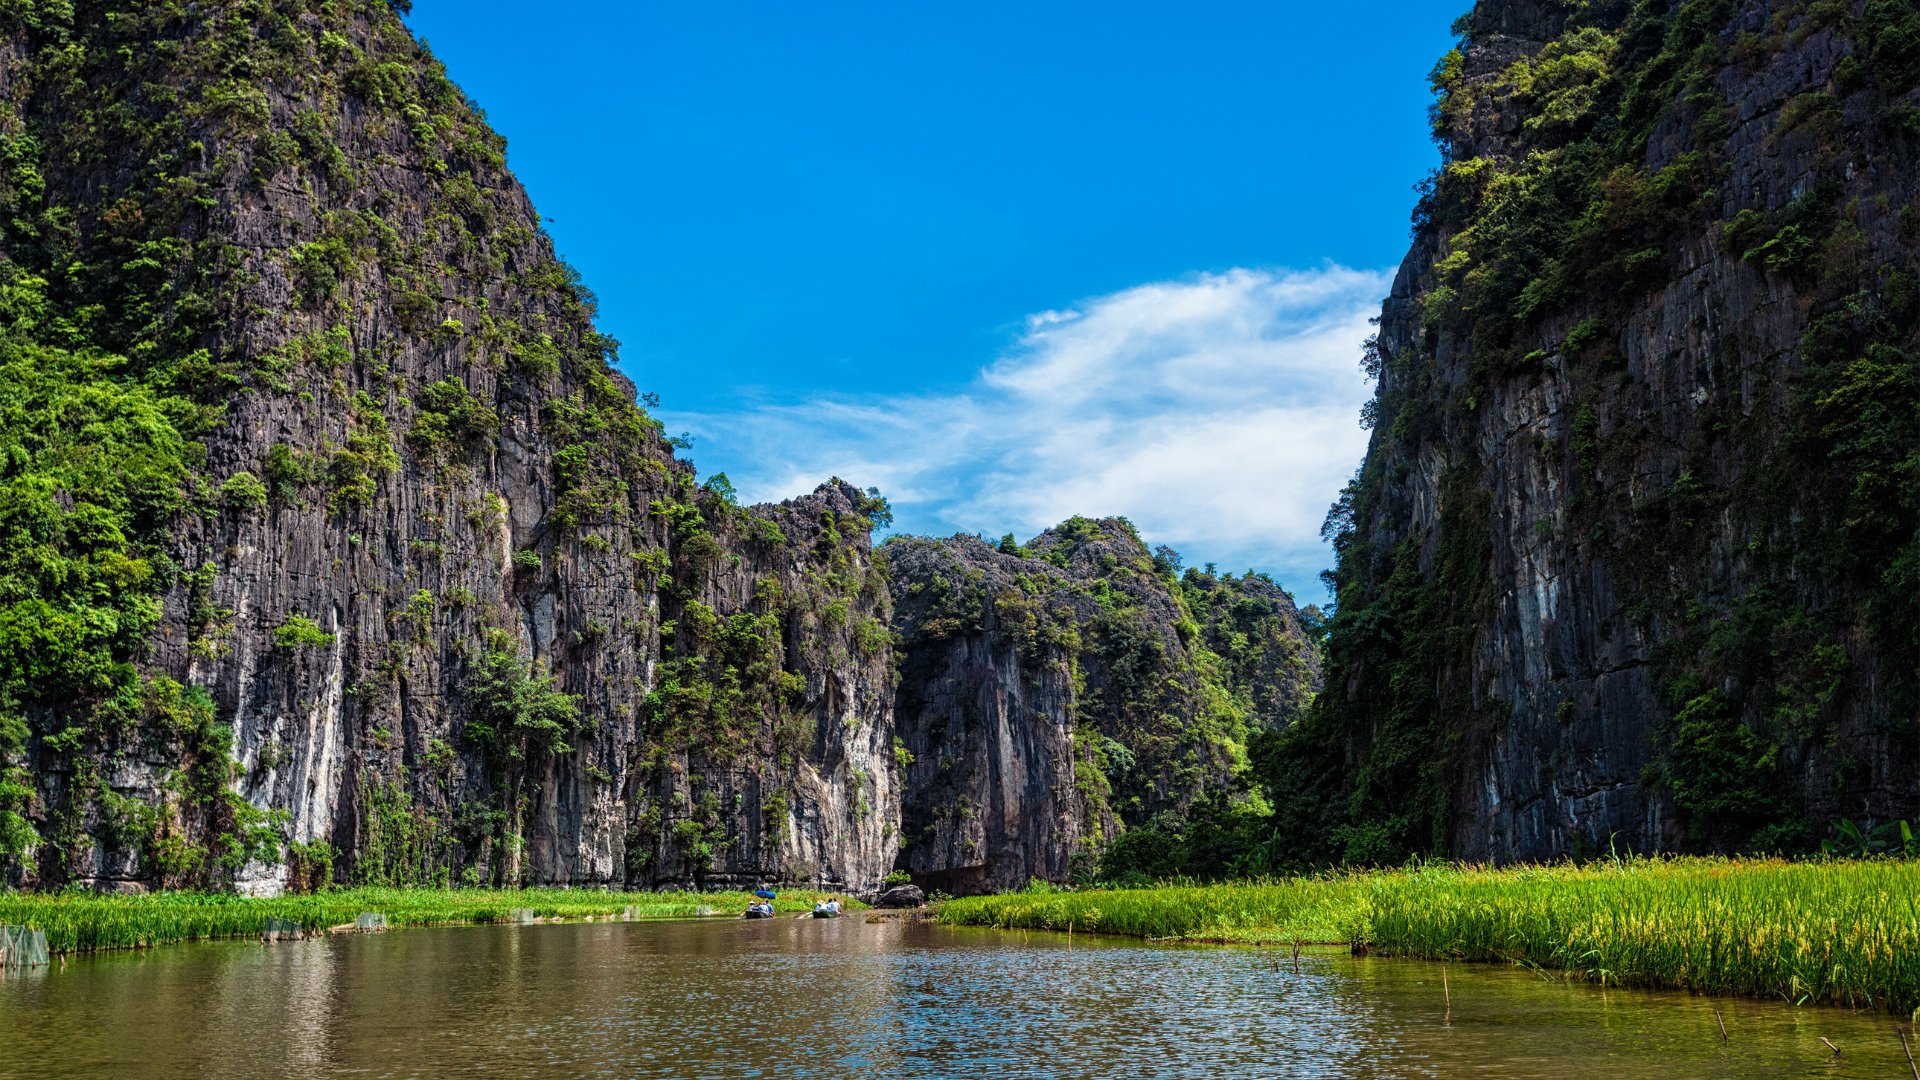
(849, 999)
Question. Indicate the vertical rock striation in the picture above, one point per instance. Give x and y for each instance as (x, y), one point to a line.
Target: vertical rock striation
(1633, 554)
(1052, 695)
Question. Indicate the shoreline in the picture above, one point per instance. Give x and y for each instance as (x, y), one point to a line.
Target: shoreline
(1843, 933)
(78, 924)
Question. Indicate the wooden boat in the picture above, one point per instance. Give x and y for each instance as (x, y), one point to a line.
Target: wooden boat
(820, 914)
(756, 913)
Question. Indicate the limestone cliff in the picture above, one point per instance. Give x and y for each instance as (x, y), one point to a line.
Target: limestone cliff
(416, 584)
(1054, 694)
(1635, 552)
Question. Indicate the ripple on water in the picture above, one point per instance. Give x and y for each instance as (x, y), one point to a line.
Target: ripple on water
(807, 998)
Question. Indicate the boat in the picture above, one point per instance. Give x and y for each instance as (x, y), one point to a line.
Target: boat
(822, 913)
(757, 913)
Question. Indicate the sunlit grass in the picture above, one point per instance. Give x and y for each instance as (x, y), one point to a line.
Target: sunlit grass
(82, 922)
(1842, 933)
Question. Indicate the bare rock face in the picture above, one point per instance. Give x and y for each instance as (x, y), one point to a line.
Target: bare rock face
(901, 896)
(986, 722)
(1633, 552)
(1055, 694)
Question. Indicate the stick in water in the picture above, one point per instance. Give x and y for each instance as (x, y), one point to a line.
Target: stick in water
(1830, 1046)
(1446, 989)
(1909, 1049)
(1723, 1026)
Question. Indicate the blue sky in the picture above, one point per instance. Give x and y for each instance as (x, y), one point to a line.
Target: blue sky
(1008, 262)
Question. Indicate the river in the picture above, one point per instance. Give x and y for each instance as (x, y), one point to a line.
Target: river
(848, 999)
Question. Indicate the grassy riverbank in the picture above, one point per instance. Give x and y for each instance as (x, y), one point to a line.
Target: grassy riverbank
(84, 922)
(1839, 933)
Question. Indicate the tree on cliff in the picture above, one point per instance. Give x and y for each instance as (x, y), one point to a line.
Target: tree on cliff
(519, 721)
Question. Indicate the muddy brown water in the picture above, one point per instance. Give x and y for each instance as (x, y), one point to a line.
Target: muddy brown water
(847, 999)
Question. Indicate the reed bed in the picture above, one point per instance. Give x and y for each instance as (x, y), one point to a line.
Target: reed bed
(86, 922)
(1831, 933)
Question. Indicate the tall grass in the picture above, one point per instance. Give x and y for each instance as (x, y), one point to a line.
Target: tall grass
(1840, 933)
(83, 922)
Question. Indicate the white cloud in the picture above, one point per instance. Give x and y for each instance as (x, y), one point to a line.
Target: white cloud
(1219, 413)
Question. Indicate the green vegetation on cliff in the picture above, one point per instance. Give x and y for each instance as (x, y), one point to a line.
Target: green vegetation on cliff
(99, 460)
(100, 403)
(95, 469)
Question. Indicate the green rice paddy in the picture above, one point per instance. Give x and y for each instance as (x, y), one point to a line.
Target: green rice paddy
(85, 922)
(1833, 933)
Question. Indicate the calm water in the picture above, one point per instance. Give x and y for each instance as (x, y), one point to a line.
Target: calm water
(847, 999)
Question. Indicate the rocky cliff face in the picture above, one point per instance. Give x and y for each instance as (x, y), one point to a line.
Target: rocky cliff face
(414, 577)
(1054, 694)
(1633, 555)
(332, 546)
